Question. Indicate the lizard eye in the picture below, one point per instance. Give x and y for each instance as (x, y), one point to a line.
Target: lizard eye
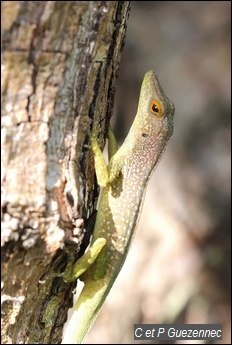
(156, 108)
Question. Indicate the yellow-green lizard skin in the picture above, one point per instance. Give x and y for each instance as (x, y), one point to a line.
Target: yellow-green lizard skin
(124, 180)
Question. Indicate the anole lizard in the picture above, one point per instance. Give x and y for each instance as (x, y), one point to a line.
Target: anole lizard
(124, 182)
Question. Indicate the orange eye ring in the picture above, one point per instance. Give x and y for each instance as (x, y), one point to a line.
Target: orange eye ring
(156, 108)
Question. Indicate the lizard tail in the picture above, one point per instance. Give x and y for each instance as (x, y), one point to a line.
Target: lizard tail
(86, 310)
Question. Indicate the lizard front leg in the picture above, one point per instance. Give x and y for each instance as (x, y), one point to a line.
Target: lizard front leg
(73, 272)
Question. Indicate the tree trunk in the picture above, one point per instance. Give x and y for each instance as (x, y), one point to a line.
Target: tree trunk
(59, 63)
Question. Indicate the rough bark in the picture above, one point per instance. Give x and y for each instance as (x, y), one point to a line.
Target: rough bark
(59, 63)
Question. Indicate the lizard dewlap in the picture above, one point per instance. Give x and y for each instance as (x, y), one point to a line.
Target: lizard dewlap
(124, 183)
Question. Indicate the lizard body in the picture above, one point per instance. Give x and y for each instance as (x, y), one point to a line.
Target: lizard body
(124, 180)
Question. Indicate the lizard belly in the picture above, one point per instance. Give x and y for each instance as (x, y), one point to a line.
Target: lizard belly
(118, 214)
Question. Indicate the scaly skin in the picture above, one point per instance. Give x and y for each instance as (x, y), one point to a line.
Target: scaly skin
(124, 181)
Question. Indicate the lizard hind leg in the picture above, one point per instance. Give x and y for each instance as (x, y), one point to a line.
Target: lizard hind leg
(84, 263)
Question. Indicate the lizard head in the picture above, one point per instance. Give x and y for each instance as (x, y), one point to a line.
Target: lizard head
(155, 110)
(149, 133)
